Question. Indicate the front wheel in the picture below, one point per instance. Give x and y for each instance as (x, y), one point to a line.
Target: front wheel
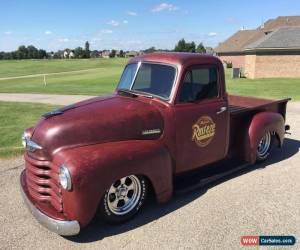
(264, 147)
(123, 199)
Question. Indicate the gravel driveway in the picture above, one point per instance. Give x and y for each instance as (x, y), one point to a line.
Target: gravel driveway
(264, 200)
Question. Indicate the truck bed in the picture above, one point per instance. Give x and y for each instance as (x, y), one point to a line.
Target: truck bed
(242, 104)
(242, 109)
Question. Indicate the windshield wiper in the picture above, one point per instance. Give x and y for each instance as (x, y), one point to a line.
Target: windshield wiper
(127, 91)
(135, 93)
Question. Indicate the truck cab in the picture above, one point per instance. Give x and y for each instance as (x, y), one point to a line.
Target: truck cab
(169, 115)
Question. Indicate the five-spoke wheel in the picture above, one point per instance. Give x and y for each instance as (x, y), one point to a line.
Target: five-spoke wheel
(123, 199)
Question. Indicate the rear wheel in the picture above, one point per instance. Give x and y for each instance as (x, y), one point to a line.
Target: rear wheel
(123, 199)
(264, 147)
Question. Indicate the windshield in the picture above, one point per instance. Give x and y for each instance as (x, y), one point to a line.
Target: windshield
(152, 78)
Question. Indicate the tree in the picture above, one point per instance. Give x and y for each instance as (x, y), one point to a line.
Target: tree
(122, 53)
(42, 54)
(22, 52)
(201, 49)
(150, 50)
(181, 46)
(79, 52)
(87, 49)
(112, 53)
(32, 52)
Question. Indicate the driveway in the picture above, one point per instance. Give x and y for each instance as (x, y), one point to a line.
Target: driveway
(261, 200)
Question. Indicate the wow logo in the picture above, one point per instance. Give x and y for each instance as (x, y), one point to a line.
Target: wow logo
(203, 131)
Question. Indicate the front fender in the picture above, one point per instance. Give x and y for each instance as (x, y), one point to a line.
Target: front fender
(94, 168)
(260, 124)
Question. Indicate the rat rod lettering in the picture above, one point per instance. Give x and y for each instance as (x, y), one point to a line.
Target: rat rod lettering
(203, 131)
(170, 114)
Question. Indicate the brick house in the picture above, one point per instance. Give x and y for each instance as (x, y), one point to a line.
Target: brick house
(272, 50)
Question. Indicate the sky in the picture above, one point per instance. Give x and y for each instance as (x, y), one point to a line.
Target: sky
(129, 24)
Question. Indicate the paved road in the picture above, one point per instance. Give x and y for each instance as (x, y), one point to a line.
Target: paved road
(265, 200)
(41, 98)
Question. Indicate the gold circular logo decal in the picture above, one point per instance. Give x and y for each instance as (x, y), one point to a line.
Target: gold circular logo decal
(203, 131)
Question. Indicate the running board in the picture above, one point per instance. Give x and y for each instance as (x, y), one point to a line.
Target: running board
(197, 182)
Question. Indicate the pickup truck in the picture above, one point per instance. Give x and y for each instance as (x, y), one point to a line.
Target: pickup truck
(170, 115)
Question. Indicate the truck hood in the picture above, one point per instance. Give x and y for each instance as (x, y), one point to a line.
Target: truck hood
(97, 120)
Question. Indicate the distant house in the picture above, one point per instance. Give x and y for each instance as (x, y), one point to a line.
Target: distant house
(105, 53)
(71, 54)
(66, 54)
(209, 51)
(271, 50)
(131, 54)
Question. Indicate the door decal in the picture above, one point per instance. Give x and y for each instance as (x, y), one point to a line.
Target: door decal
(203, 131)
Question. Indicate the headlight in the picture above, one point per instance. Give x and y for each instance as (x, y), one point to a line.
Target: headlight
(65, 178)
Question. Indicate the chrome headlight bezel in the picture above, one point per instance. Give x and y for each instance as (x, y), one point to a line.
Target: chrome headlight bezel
(24, 139)
(64, 177)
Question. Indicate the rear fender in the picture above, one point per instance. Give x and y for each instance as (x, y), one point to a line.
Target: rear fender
(94, 168)
(260, 124)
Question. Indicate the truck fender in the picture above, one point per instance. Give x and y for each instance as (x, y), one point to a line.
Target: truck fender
(260, 124)
(94, 168)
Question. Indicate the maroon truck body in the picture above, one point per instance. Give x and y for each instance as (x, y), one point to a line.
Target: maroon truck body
(102, 140)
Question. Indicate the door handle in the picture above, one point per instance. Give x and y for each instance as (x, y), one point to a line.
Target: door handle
(222, 109)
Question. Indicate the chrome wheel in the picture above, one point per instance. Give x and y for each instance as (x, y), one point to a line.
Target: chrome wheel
(124, 195)
(264, 146)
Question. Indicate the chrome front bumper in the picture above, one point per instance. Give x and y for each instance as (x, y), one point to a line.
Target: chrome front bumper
(65, 228)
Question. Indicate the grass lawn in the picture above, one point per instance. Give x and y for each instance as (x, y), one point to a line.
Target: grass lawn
(105, 73)
(15, 117)
(100, 80)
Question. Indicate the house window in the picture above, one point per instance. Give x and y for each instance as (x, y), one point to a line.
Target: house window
(199, 83)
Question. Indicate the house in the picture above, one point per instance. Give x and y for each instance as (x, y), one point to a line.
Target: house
(71, 54)
(105, 53)
(131, 54)
(271, 50)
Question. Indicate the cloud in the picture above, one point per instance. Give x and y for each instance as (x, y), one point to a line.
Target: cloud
(131, 13)
(125, 21)
(48, 32)
(164, 7)
(113, 23)
(212, 34)
(7, 32)
(63, 40)
(106, 31)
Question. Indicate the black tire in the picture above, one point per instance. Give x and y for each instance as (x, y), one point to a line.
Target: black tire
(264, 147)
(115, 211)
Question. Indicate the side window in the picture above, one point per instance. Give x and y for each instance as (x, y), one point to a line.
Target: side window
(198, 84)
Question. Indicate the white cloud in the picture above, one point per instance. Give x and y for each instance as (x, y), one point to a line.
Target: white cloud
(113, 23)
(106, 31)
(131, 13)
(7, 32)
(63, 40)
(212, 34)
(164, 6)
(48, 32)
(125, 21)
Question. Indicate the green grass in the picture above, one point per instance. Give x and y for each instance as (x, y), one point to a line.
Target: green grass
(100, 80)
(11, 68)
(15, 117)
(274, 88)
(104, 75)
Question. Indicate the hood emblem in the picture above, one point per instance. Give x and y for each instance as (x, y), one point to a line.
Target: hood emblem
(151, 131)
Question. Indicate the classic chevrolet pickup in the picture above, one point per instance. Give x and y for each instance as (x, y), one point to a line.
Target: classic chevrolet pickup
(170, 114)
